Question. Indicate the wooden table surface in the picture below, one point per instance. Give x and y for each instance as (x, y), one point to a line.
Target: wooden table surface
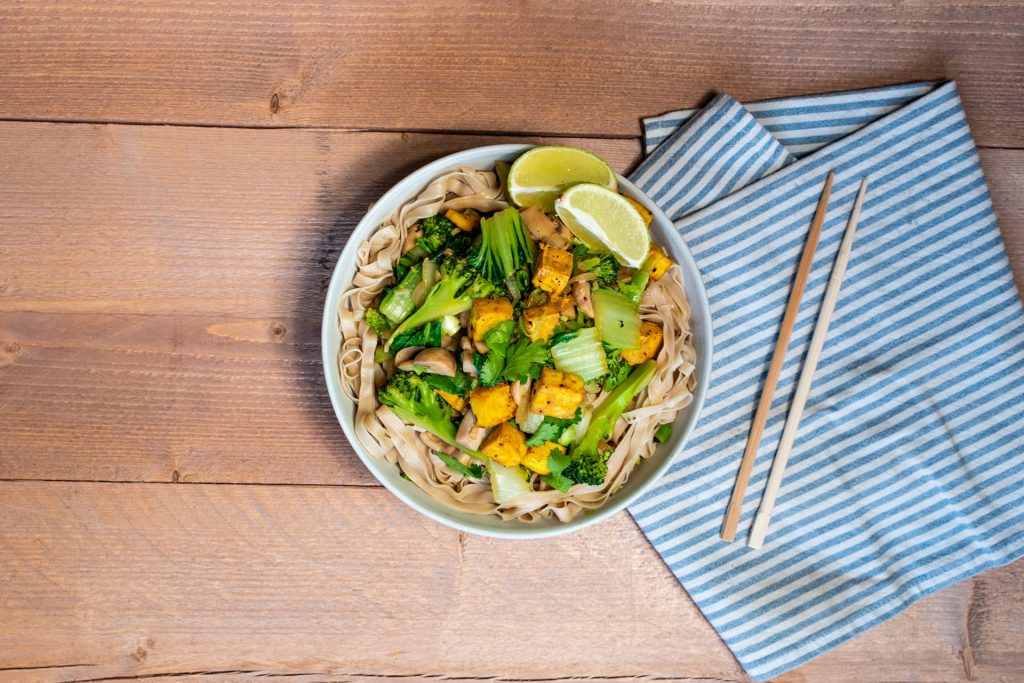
(176, 498)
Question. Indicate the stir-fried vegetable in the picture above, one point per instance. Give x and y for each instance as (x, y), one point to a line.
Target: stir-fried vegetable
(514, 300)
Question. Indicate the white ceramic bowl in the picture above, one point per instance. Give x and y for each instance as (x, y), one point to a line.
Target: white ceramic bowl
(642, 478)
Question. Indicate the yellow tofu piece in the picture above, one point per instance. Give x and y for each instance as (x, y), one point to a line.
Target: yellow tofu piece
(463, 221)
(536, 458)
(641, 209)
(557, 394)
(540, 321)
(486, 314)
(492, 405)
(660, 262)
(454, 401)
(554, 268)
(506, 445)
(650, 342)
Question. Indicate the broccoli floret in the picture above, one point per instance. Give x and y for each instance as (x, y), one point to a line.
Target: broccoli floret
(588, 463)
(460, 283)
(506, 252)
(636, 285)
(437, 232)
(413, 400)
(377, 322)
(604, 266)
(618, 368)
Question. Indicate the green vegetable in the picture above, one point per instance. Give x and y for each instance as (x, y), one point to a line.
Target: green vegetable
(634, 289)
(506, 482)
(425, 335)
(582, 355)
(558, 460)
(525, 359)
(437, 232)
(588, 463)
(663, 433)
(458, 385)
(618, 369)
(498, 337)
(602, 265)
(399, 301)
(505, 254)
(617, 318)
(471, 471)
(460, 283)
(414, 401)
(552, 428)
(516, 362)
(377, 322)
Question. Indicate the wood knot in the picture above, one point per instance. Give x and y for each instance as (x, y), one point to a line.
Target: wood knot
(275, 103)
(405, 137)
(278, 330)
(12, 348)
(175, 476)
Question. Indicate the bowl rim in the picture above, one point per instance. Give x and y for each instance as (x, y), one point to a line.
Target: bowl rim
(404, 190)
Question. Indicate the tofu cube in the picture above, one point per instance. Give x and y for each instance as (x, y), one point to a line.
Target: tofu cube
(536, 458)
(660, 262)
(540, 321)
(486, 314)
(554, 268)
(506, 445)
(492, 405)
(557, 394)
(454, 401)
(463, 221)
(650, 342)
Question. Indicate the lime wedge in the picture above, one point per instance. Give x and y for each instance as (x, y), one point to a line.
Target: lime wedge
(539, 175)
(605, 220)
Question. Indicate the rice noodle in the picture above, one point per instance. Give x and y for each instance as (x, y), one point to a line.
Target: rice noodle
(387, 436)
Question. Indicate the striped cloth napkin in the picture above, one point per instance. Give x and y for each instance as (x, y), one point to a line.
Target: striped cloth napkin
(907, 471)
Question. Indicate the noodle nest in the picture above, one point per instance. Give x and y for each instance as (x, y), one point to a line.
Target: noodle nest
(387, 436)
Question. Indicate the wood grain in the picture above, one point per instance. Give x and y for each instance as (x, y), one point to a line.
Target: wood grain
(117, 580)
(544, 67)
(160, 295)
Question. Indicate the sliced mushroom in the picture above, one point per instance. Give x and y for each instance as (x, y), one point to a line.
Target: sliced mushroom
(403, 357)
(466, 343)
(563, 236)
(436, 361)
(481, 346)
(581, 293)
(537, 222)
(467, 362)
(521, 394)
(470, 434)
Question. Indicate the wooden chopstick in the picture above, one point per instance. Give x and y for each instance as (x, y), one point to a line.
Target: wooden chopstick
(732, 513)
(803, 388)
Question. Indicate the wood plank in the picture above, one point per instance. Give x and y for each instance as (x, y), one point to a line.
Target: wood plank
(166, 326)
(499, 67)
(113, 580)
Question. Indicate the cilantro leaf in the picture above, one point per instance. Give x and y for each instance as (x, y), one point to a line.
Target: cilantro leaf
(498, 337)
(525, 360)
(488, 368)
(551, 429)
(558, 460)
(471, 471)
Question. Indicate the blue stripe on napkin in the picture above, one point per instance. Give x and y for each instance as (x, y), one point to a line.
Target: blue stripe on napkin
(804, 124)
(907, 471)
(715, 152)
